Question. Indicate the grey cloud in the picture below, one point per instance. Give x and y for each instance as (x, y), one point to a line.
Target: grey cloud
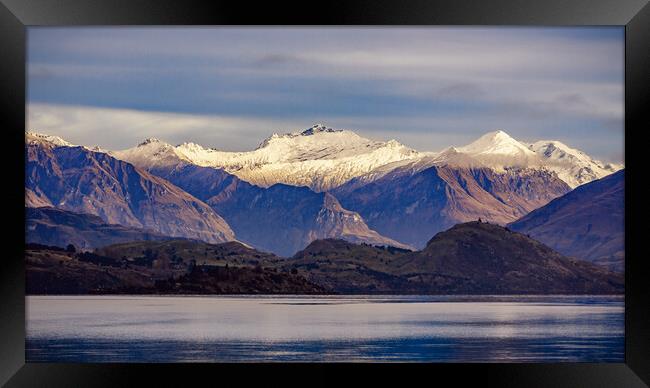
(572, 99)
(461, 90)
(276, 59)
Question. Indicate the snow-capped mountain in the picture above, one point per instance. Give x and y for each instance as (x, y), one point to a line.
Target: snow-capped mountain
(151, 153)
(496, 143)
(500, 152)
(323, 158)
(571, 165)
(281, 218)
(48, 140)
(319, 157)
(34, 138)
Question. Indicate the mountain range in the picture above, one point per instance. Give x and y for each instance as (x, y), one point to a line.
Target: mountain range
(280, 218)
(323, 158)
(319, 183)
(320, 158)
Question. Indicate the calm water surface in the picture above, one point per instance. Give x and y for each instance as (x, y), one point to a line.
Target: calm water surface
(324, 328)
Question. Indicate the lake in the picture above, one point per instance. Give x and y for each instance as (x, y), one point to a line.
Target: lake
(325, 328)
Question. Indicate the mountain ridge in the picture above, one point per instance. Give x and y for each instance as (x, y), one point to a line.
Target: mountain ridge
(575, 223)
(83, 181)
(323, 158)
(280, 218)
(411, 204)
(319, 157)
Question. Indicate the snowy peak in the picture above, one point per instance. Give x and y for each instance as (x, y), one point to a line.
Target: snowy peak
(39, 138)
(496, 150)
(316, 134)
(150, 153)
(151, 140)
(572, 165)
(190, 147)
(151, 147)
(323, 158)
(55, 141)
(317, 128)
(557, 151)
(496, 143)
(499, 151)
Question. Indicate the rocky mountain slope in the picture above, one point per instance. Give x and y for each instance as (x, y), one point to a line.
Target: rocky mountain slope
(281, 219)
(80, 180)
(411, 203)
(284, 219)
(588, 222)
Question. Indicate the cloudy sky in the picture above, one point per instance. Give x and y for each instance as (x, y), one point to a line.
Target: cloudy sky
(229, 88)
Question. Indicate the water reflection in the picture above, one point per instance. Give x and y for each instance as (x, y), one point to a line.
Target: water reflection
(326, 328)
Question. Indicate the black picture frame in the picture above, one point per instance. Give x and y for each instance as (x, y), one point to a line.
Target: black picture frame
(16, 15)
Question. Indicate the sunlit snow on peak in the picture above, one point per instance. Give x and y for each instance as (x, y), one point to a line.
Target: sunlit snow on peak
(34, 137)
(317, 129)
(496, 143)
(150, 140)
(323, 158)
